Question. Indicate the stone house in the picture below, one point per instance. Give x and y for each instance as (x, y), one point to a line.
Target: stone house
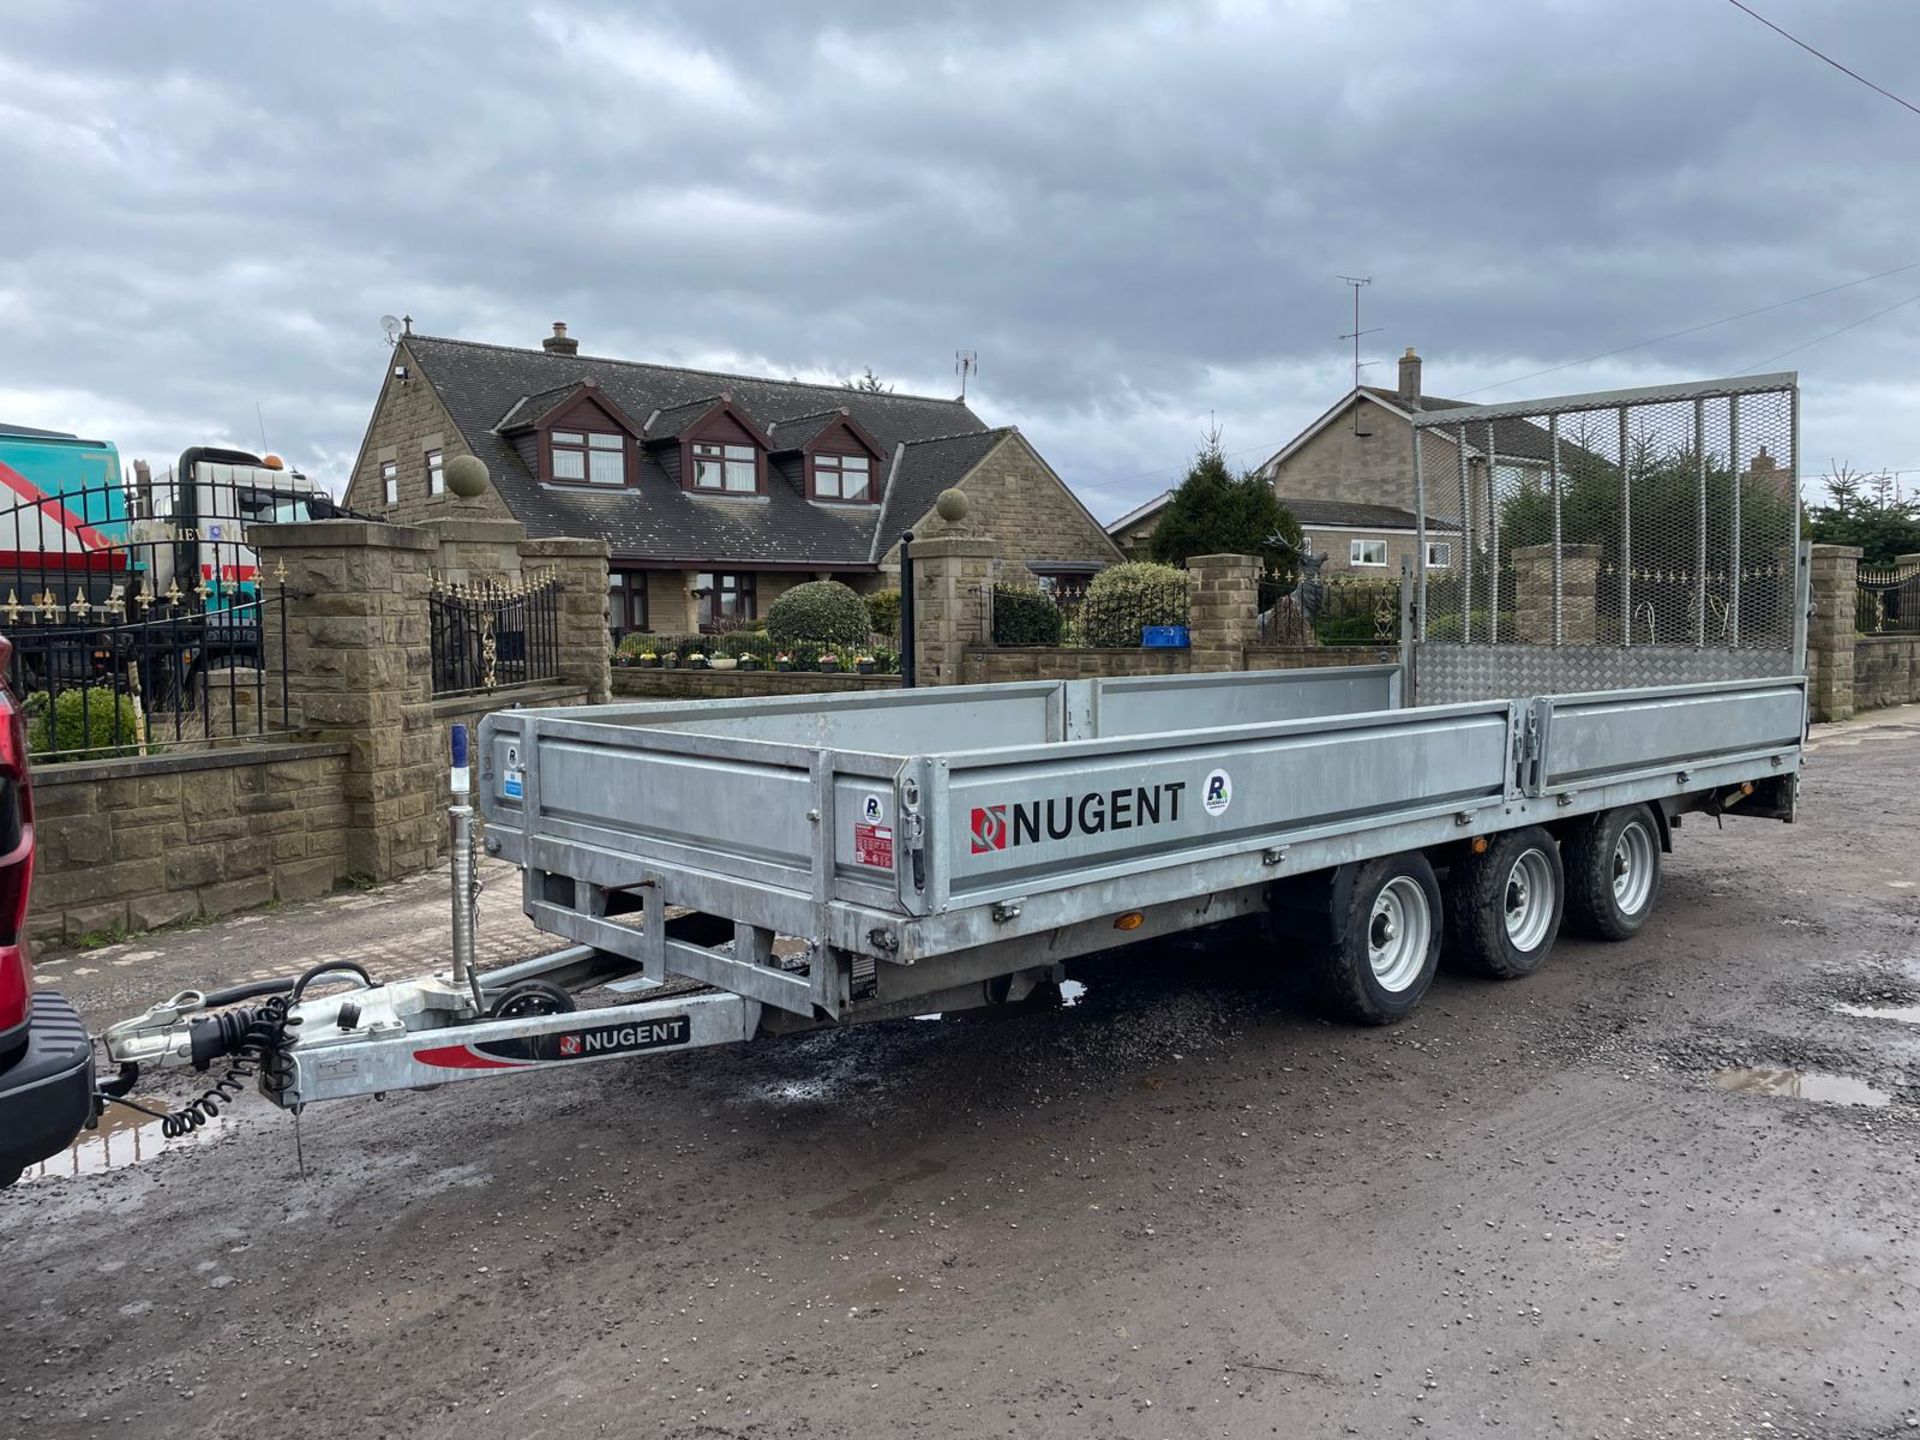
(1353, 535)
(716, 493)
(1133, 531)
(1360, 451)
(1370, 540)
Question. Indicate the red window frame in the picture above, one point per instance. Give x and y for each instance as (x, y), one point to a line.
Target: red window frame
(627, 601)
(719, 452)
(835, 465)
(718, 587)
(588, 450)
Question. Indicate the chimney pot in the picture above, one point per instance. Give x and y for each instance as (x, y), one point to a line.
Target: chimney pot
(560, 343)
(1410, 378)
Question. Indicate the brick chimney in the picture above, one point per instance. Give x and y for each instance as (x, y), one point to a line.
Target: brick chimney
(560, 343)
(1410, 379)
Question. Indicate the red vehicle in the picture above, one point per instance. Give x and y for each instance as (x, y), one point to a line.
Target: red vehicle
(46, 1060)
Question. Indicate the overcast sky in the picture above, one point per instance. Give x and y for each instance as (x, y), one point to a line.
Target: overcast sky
(1134, 213)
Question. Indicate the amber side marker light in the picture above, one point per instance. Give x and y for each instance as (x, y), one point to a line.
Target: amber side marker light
(1132, 920)
(1481, 845)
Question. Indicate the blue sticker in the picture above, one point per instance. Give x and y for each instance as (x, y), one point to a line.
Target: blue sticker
(511, 785)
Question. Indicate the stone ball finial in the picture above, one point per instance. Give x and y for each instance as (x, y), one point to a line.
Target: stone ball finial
(952, 506)
(467, 476)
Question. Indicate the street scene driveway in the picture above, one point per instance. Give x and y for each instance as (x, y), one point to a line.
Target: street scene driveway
(1666, 1188)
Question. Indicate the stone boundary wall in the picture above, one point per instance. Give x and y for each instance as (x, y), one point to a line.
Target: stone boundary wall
(635, 683)
(131, 844)
(1317, 657)
(992, 664)
(1886, 671)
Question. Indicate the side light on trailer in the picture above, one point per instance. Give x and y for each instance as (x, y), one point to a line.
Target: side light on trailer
(1481, 844)
(1132, 920)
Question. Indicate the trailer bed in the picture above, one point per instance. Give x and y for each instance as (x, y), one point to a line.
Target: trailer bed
(911, 825)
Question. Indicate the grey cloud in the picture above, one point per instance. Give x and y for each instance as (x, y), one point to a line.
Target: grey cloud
(1135, 212)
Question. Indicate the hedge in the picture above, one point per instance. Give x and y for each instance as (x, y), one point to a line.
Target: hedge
(884, 607)
(1024, 616)
(81, 724)
(1124, 598)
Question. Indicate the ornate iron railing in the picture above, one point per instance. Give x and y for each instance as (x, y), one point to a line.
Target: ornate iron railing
(140, 619)
(1887, 600)
(490, 635)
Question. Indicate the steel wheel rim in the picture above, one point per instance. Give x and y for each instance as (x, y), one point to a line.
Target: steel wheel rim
(1399, 932)
(1528, 900)
(1633, 868)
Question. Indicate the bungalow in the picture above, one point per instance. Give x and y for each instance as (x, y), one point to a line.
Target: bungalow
(715, 492)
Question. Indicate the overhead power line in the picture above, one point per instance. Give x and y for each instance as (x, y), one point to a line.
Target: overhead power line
(1850, 325)
(1124, 480)
(1817, 54)
(1695, 329)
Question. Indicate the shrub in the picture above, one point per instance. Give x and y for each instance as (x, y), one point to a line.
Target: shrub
(90, 724)
(1124, 598)
(884, 607)
(745, 642)
(824, 611)
(1024, 616)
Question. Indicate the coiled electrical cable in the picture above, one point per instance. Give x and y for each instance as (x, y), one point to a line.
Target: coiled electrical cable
(255, 1036)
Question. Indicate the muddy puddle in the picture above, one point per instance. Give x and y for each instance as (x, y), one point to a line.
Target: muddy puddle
(1819, 1086)
(1905, 1014)
(123, 1137)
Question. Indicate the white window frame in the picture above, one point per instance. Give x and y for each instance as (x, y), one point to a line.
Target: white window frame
(390, 481)
(1357, 548)
(436, 472)
(1439, 554)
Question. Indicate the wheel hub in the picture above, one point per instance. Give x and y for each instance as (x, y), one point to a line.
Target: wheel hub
(1399, 932)
(1530, 901)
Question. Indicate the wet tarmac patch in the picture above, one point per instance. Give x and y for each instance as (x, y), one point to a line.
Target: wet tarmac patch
(1819, 1086)
(1905, 1014)
(123, 1137)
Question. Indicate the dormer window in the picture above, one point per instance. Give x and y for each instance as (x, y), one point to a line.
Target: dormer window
(842, 477)
(726, 469)
(591, 457)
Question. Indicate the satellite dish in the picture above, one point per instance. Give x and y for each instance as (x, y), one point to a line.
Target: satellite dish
(391, 324)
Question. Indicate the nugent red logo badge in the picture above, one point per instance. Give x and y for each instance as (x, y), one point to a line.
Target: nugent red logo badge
(571, 1045)
(989, 828)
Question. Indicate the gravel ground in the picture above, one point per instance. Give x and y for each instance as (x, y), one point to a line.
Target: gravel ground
(1182, 1206)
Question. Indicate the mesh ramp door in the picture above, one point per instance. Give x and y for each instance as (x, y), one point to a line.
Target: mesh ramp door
(1598, 542)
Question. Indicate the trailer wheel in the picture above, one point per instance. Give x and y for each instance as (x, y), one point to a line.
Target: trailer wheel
(1386, 942)
(1613, 873)
(1504, 905)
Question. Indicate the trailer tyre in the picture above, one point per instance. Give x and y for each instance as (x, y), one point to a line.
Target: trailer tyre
(1504, 905)
(1386, 942)
(1613, 873)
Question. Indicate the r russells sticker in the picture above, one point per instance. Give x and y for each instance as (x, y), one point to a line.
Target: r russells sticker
(999, 827)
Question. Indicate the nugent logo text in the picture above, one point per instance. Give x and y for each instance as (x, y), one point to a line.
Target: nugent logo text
(1010, 826)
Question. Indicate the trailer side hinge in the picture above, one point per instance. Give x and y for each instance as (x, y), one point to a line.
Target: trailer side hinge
(1005, 911)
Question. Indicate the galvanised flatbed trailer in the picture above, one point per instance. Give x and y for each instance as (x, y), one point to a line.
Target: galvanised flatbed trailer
(819, 862)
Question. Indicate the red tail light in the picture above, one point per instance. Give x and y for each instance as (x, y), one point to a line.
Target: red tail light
(16, 858)
(16, 989)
